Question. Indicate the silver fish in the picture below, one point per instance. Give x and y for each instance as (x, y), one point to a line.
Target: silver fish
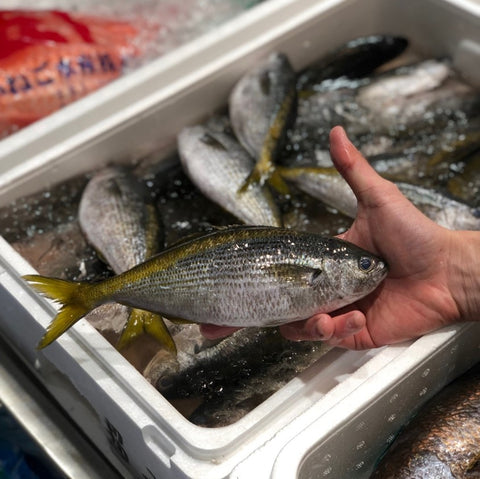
(262, 105)
(325, 184)
(124, 228)
(441, 209)
(117, 219)
(241, 276)
(328, 186)
(218, 165)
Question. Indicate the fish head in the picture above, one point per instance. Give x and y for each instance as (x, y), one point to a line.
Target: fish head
(348, 272)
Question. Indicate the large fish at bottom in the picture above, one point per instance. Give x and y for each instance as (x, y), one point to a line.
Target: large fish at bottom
(124, 228)
(239, 276)
(443, 440)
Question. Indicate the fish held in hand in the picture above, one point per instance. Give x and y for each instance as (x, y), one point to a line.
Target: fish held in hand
(262, 106)
(239, 276)
(219, 165)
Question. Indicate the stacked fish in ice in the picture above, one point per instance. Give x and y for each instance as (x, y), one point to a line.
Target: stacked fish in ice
(234, 160)
(417, 123)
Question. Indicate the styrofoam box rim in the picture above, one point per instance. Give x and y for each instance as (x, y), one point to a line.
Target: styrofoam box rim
(73, 140)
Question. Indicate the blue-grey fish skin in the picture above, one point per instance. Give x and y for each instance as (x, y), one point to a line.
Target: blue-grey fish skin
(249, 276)
(218, 165)
(118, 221)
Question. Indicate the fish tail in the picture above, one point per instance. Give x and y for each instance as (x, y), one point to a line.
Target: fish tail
(255, 177)
(277, 182)
(260, 176)
(140, 322)
(76, 299)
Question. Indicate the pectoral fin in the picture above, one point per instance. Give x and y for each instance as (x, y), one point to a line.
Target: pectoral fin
(294, 273)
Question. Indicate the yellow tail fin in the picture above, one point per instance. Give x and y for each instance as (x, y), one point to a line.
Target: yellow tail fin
(76, 300)
(140, 322)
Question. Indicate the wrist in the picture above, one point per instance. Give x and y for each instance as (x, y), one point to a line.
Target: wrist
(464, 273)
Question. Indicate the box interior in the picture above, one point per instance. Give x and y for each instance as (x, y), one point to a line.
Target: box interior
(141, 113)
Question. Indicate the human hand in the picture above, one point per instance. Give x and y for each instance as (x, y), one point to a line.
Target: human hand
(416, 297)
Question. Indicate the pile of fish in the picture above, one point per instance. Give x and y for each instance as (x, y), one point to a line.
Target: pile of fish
(418, 124)
(264, 164)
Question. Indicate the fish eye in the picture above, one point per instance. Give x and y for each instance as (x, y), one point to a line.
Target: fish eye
(365, 263)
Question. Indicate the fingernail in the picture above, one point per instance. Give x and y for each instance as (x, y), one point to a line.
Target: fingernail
(353, 324)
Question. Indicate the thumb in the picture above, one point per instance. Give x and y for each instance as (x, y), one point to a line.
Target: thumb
(351, 164)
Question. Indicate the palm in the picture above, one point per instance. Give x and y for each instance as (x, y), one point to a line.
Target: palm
(411, 300)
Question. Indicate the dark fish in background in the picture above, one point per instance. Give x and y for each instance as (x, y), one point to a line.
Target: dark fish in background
(123, 226)
(226, 380)
(409, 107)
(357, 58)
(240, 276)
(443, 440)
(218, 165)
(262, 106)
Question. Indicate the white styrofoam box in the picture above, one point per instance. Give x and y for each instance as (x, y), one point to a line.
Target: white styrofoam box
(332, 419)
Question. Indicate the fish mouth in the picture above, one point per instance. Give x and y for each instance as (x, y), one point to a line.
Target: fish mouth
(382, 267)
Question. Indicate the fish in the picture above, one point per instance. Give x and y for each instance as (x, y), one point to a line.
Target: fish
(327, 185)
(443, 438)
(355, 59)
(409, 107)
(231, 377)
(218, 165)
(238, 276)
(51, 58)
(123, 226)
(443, 210)
(262, 106)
